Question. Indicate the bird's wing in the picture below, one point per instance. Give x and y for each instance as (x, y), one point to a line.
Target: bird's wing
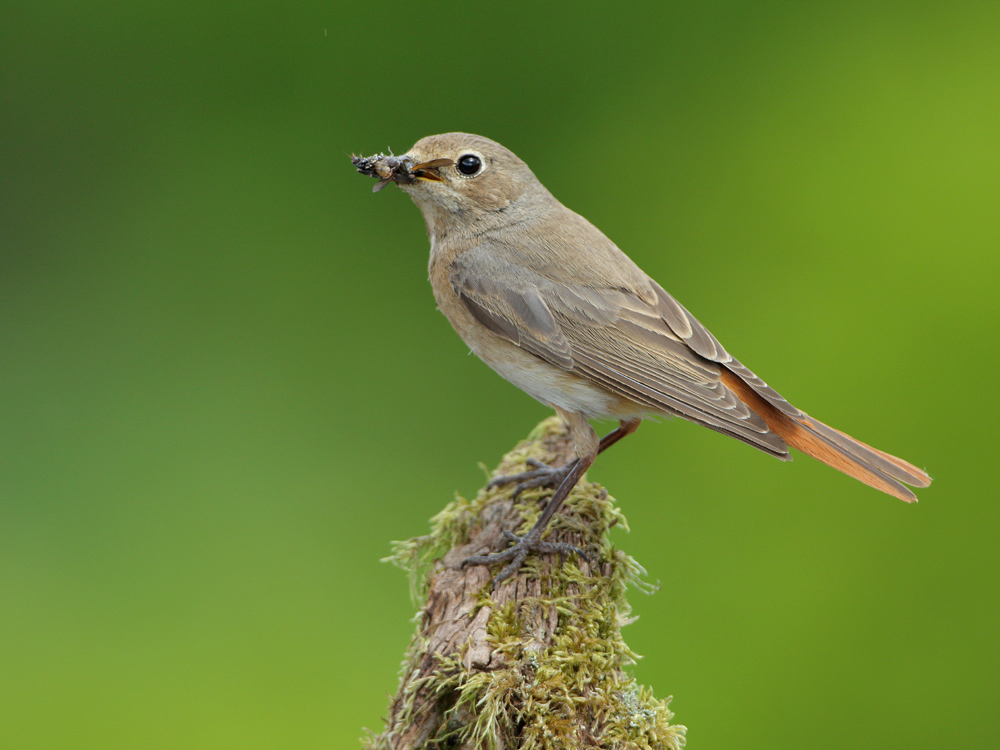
(612, 337)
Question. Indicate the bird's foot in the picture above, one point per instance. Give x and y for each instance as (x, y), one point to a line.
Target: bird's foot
(523, 545)
(542, 475)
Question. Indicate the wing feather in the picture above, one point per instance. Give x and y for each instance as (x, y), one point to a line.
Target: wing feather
(685, 325)
(613, 338)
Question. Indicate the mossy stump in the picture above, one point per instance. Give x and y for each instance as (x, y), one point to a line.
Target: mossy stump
(540, 662)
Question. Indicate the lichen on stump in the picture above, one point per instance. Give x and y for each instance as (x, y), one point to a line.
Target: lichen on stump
(539, 663)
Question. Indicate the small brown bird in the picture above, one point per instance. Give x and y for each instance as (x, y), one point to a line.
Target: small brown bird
(551, 304)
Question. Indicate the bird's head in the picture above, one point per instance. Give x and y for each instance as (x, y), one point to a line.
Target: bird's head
(466, 176)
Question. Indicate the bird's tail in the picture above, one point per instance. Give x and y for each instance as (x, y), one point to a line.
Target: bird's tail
(834, 448)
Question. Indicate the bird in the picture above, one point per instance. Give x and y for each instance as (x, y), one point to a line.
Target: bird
(552, 305)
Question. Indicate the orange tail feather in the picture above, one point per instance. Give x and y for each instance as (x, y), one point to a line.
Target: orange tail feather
(875, 468)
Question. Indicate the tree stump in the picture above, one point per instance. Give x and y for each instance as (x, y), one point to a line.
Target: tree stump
(540, 662)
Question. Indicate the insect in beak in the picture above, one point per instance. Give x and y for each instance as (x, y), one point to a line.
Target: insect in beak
(400, 169)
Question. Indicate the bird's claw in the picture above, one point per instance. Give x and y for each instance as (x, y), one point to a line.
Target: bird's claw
(523, 545)
(542, 475)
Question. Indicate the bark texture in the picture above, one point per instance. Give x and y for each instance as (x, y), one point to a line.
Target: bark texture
(540, 662)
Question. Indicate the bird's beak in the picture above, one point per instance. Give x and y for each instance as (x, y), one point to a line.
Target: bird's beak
(428, 170)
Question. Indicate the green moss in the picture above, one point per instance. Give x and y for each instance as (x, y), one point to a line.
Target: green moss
(542, 696)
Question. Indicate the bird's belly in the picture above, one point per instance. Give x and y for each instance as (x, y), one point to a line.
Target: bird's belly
(552, 385)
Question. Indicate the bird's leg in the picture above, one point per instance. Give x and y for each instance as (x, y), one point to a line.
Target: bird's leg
(565, 479)
(625, 427)
(543, 475)
(532, 541)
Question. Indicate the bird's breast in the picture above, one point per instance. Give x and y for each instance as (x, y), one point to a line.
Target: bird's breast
(548, 383)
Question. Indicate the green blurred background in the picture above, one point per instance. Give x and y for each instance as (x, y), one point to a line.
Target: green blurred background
(225, 388)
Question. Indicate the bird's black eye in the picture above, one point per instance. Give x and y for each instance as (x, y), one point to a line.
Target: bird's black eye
(469, 164)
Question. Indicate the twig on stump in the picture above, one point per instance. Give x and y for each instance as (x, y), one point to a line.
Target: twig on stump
(539, 663)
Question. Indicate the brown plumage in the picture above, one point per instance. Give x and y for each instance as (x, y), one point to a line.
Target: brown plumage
(551, 304)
